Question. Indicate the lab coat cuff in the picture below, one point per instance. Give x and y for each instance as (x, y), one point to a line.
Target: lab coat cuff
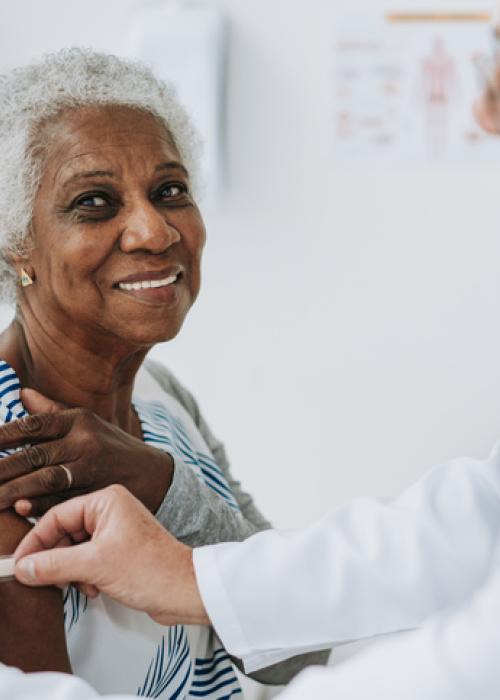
(217, 603)
(223, 616)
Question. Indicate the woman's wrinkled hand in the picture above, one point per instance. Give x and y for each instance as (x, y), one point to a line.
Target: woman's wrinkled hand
(96, 453)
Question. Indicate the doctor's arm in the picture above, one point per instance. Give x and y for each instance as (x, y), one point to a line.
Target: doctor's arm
(453, 656)
(370, 567)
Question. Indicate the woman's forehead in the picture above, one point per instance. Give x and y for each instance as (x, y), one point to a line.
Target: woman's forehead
(105, 138)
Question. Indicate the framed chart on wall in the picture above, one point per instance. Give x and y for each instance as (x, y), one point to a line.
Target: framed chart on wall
(405, 84)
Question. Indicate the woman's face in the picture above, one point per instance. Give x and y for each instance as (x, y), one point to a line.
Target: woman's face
(117, 236)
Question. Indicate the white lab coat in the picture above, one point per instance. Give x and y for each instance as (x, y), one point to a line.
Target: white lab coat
(369, 568)
(453, 656)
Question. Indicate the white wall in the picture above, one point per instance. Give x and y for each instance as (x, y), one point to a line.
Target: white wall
(348, 333)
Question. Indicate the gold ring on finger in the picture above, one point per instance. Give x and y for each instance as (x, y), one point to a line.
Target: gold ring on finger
(69, 476)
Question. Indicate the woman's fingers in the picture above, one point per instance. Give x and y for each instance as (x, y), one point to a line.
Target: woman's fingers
(35, 402)
(35, 428)
(96, 453)
(35, 457)
(45, 481)
(35, 507)
(23, 507)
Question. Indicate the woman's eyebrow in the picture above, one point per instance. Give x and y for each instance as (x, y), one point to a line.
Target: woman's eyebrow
(89, 174)
(168, 165)
(171, 165)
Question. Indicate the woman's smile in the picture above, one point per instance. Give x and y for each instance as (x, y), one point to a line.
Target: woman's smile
(160, 287)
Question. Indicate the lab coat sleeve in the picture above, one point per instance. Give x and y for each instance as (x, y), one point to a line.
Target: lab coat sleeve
(16, 685)
(452, 657)
(369, 568)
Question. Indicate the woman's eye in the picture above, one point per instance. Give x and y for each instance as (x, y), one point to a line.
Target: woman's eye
(172, 191)
(92, 200)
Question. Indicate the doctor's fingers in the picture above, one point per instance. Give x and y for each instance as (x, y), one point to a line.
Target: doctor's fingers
(111, 517)
(74, 520)
(58, 567)
(113, 511)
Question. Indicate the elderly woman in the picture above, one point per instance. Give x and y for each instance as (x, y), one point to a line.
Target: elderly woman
(101, 242)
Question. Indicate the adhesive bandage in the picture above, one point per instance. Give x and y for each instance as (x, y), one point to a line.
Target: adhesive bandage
(7, 564)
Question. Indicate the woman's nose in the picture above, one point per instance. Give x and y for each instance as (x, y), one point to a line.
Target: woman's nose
(146, 229)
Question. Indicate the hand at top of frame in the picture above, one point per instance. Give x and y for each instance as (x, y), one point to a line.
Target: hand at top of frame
(108, 542)
(94, 452)
(487, 108)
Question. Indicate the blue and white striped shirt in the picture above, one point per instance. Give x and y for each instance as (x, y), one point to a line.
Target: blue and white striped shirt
(118, 650)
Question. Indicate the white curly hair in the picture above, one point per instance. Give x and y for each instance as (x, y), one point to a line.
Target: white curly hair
(68, 79)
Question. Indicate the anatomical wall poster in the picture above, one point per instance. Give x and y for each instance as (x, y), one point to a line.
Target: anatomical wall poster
(404, 86)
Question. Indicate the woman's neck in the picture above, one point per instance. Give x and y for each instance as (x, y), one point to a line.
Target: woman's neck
(68, 370)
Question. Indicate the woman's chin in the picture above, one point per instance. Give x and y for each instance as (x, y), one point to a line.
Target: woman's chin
(148, 327)
(148, 337)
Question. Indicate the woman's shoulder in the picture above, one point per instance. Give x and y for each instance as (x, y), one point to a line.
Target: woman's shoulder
(29, 614)
(12, 530)
(172, 386)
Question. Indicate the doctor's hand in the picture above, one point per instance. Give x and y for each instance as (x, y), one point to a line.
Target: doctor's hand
(108, 542)
(95, 454)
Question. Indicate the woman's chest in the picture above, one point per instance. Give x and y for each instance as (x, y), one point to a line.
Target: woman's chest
(120, 651)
